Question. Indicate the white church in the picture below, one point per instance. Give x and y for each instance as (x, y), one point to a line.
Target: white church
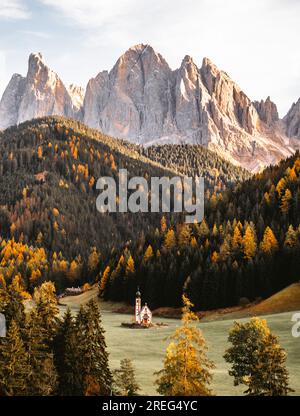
(143, 315)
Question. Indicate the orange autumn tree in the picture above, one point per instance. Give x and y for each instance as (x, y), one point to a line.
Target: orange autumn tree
(19, 259)
(286, 201)
(186, 370)
(269, 242)
(249, 243)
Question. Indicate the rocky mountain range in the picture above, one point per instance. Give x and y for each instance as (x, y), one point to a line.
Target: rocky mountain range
(143, 100)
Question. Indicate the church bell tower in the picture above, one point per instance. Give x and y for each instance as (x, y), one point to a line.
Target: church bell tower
(138, 307)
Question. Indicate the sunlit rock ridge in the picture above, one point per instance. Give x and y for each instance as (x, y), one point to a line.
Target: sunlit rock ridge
(143, 100)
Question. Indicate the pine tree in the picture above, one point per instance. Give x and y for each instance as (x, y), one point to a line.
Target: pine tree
(90, 365)
(11, 304)
(125, 380)
(186, 369)
(46, 308)
(43, 378)
(257, 359)
(14, 364)
(64, 346)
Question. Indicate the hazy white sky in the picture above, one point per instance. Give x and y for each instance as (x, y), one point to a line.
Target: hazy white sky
(255, 41)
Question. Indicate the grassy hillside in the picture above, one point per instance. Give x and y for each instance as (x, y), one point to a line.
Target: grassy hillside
(286, 300)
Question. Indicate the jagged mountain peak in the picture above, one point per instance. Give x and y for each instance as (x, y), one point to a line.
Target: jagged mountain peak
(292, 120)
(16, 76)
(38, 94)
(209, 66)
(267, 110)
(187, 60)
(143, 100)
(141, 53)
(206, 62)
(36, 63)
(140, 47)
(36, 57)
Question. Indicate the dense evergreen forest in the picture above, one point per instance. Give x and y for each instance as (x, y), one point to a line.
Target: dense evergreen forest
(49, 224)
(247, 245)
(195, 160)
(44, 354)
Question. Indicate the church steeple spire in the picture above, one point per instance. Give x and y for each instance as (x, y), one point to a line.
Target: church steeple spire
(138, 306)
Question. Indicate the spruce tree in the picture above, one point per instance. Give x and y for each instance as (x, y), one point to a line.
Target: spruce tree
(43, 378)
(15, 369)
(64, 346)
(11, 305)
(125, 380)
(46, 308)
(91, 369)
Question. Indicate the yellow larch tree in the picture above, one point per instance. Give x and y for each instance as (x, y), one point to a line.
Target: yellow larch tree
(291, 237)
(184, 236)
(249, 243)
(130, 266)
(215, 257)
(148, 253)
(104, 280)
(170, 240)
(237, 238)
(186, 370)
(269, 242)
(286, 201)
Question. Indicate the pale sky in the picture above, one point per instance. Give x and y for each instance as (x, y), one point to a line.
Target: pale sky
(255, 41)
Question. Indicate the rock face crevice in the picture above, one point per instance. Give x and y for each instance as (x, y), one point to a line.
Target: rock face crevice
(143, 100)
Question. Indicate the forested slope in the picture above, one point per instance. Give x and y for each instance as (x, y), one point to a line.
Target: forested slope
(248, 245)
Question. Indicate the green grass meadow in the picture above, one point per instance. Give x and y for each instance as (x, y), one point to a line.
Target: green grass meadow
(147, 347)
